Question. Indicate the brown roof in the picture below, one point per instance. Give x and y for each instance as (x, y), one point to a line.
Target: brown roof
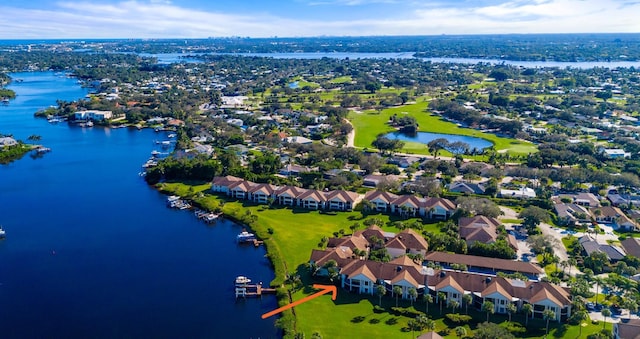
(355, 241)
(631, 246)
(531, 291)
(404, 261)
(478, 221)
(485, 262)
(386, 271)
(291, 190)
(408, 200)
(496, 287)
(382, 195)
(395, 243)
(629, 329)
(342, 256)
(481, 234)
(444, 203)
(341, 195)
(449, 281)
(225, 181)
(264, 188)
(406, 276)
(412, 240)
(364, 270)
(312, 195)
(243, 185)
(371, 231)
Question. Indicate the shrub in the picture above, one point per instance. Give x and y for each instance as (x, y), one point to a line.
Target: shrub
(458, 318)
(374, 321)
(515, 328)
(378, 309)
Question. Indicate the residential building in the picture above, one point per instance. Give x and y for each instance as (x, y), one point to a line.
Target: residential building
(522, 193)
(485, 265)
(627, 329)
(572, 214)
(589, 245)
(7, 142)
(631, 246)
(466, 187)
(93, 115)
(484, 230)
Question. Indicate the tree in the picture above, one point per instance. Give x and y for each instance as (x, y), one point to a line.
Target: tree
(467, 299)
(453, 304)
(397, 291)
(489, 330)
(413, 294)
(579, 317)
(460, 331)
(488, 307)
(526, 309)
(533, 216)
(428, 299)
(420, 323)
(511, 309)
(631, 305)
(596, 261)
(380, 291)
(605, 313)
(547, 315)
(441, 299)
(437, 145)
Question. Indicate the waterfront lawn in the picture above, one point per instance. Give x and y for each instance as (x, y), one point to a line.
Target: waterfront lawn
(369, 124)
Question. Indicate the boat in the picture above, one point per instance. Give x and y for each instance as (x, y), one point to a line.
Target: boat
(245, 236)
(5, 101)
(2, 233)
(242, 280)
(172, 135)
(154, 153)
(89, 123)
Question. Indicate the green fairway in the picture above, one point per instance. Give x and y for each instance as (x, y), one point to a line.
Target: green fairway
(369, 124)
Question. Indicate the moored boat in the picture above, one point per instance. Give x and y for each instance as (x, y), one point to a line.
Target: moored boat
(242, 280)
(2, 233)
(245, 236)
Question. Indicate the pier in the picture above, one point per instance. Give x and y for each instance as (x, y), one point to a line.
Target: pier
(252, 290)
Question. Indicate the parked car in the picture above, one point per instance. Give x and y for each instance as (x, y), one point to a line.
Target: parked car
(590, 306)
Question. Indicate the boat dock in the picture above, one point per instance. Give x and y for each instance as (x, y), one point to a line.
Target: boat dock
(253, 290)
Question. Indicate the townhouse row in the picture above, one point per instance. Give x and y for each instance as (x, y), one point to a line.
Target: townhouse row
(359, 275)
(338, 200)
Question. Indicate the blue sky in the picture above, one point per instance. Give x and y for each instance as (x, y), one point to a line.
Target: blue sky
(42, 19)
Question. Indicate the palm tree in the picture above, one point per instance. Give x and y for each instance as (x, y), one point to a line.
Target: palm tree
(598, 281)
(581, 316)
(397, 291)
(605, 313)
(631, 305)
(488, 307)
(413, 294)
(428, 299)
(453, 304)
(441, 298)
(380, 291)
(467, 299)
(547, 315)
(460, 331)
(526, 309)
(511, 309)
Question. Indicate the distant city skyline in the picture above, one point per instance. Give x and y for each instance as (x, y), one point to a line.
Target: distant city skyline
(43, 19)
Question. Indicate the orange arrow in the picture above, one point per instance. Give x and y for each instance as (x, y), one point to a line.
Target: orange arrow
(324, 290)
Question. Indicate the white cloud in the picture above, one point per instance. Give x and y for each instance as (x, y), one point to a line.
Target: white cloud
(162, 19)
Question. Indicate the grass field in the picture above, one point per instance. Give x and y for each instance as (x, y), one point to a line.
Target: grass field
(369, 124)
(296, 232)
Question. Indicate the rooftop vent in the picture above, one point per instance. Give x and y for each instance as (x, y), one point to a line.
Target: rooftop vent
(399, 268)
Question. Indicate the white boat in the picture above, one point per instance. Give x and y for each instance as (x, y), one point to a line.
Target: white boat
(89, 123)
(172, 198)
(245, 236)
(242, 280)
(172, 135)
(2, 233)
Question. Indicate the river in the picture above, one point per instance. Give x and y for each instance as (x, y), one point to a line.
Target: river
(93, 252)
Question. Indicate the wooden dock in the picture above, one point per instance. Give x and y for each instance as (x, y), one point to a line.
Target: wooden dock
(253, 290)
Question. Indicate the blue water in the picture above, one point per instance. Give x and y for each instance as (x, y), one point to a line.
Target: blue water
(425, 137)
(92, 251)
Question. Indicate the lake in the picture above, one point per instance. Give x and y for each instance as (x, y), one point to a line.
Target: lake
(93, 252)
(167, 58)
(425, 137)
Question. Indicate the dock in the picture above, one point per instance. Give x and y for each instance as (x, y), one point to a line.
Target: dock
(252, 290)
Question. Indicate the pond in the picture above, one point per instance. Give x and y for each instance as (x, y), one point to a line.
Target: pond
(425, 137)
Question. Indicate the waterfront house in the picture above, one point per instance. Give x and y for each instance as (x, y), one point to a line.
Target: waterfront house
(7, 142)
(221, 184)
(92, 115)
(240, 189)
(288, 195)
(311, 199)
(261, 193)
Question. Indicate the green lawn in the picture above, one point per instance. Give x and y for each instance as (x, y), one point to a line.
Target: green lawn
(341, 80)
(369, 124)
